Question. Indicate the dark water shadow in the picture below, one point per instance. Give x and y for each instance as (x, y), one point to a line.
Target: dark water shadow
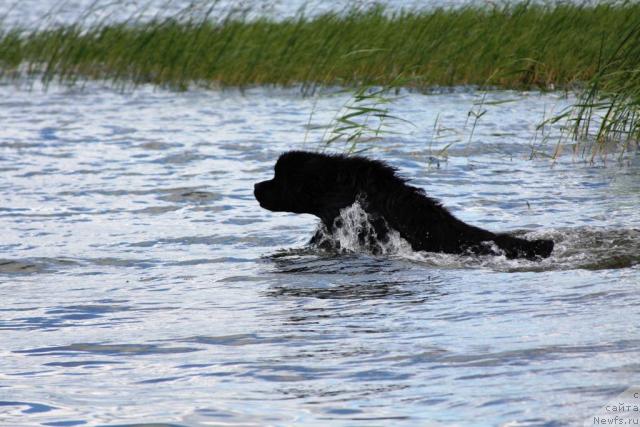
(34, 265)
(312, 273)
(28, 407)
(598, 248)
(102, 313)
(106, 350)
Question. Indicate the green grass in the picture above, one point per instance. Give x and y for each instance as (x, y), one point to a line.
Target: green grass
(563, 46)
(607, 113)
(522, 46)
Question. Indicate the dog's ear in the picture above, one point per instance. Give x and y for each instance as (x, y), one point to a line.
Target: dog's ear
(376, 179)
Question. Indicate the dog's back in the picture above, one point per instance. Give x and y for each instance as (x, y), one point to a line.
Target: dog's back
(515, 247)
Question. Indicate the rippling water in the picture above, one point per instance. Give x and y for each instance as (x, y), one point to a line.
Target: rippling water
(141, 282)
(35, 13)
(39, 13)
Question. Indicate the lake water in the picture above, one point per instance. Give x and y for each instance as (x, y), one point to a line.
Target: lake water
(38, 13)
(141, 282)
(30, 13)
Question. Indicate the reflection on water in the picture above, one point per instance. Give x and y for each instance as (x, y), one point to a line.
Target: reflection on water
(141, 282)
(38, 13)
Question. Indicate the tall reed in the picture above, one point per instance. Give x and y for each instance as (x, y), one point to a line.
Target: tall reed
(607, 113)
(592, 48)
(521, 46)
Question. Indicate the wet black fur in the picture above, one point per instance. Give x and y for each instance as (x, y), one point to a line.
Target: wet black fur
(322, 185)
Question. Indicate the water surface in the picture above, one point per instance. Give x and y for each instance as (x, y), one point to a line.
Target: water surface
(40, 13)
(141, 282)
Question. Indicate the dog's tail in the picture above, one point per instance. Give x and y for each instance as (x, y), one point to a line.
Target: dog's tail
(515, 247)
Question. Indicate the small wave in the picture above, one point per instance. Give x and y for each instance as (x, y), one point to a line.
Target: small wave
(25, 408)
(594, 248)
(589, 248)
(43, 265)
(106, 349)
(33, 265)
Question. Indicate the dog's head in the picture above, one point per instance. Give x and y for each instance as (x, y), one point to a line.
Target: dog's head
(318, 184)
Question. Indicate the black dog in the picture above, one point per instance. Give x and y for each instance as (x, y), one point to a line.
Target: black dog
(322, 185)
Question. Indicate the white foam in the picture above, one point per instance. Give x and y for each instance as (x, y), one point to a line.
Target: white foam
(354, 232)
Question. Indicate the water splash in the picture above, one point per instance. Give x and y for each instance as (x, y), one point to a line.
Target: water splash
(356, 231)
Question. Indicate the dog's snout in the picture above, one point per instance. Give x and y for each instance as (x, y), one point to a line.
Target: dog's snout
(258, 189)
(261, 192)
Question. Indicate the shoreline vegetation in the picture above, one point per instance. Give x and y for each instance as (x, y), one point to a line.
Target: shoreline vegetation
(591, 49)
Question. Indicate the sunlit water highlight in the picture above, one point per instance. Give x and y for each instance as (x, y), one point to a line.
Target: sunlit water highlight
(141, 282)
(43, 13)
